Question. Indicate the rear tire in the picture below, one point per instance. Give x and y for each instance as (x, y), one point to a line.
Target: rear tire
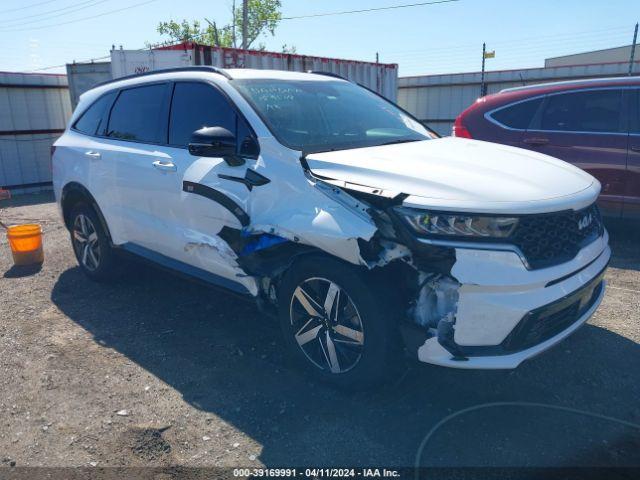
(91, 244)
(338, 323)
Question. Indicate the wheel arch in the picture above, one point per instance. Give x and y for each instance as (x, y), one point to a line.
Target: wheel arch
(74, 193)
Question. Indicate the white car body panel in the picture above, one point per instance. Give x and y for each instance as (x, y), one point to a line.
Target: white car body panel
(149, 208)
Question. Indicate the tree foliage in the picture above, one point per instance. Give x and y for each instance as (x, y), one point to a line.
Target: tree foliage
(263, 18)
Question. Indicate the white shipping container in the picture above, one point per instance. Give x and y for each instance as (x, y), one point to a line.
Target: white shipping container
(380, 77)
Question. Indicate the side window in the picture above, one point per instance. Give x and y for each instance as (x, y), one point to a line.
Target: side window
(139, 114)
(518, 115)
(590, 111)
(93, 117)
(634, 110)
(197, 105)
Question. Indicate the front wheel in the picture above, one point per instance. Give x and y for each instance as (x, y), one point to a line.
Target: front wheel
(338, 323)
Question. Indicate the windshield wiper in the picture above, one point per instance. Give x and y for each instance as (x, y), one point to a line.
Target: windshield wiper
(393, 142)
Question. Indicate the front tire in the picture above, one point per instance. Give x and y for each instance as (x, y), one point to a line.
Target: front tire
(91, 245)
(338, 323)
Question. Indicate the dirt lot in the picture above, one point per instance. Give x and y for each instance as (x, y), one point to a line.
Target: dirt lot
(156, 370)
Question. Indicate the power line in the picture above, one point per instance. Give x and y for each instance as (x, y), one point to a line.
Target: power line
(83, 18)
(91, 60)
(364, 10)
(345, 12)
(27, 6)
(91, 3)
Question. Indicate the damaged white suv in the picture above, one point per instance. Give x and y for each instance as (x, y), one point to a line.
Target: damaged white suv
(337, 211)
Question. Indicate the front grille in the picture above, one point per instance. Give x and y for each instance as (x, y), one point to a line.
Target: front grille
(541, 324)
(554, 238)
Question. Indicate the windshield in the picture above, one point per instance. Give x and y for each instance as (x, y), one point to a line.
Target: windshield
(314, 116)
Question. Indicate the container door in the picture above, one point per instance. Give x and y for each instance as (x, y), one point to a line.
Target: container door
(587, 129)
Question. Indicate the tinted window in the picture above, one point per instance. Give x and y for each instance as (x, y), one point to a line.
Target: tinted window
(93, 116)
(139, 114)
(518, 115)
(194, 106)
(592, 111)
(634, 127)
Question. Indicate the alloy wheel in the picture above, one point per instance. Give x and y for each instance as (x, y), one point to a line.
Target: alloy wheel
(85, 242)
(328, 328)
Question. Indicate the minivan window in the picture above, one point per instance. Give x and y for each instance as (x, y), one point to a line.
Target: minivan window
(139, 114)
(589, 111)
(91, 119)
(197, 105)
(315, 116)
(517, 115)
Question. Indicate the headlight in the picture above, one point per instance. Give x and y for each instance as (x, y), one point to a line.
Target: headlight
(458, 224)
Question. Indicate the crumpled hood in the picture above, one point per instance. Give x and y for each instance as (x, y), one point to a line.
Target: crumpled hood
(460, 174)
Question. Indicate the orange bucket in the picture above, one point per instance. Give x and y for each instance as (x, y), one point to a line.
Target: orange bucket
(26, 244)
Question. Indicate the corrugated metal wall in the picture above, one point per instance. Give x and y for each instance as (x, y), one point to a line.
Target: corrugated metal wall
(34, 110)
(438, 99)
(83, 76)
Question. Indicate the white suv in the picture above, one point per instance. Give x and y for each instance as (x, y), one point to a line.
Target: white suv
(337, 211)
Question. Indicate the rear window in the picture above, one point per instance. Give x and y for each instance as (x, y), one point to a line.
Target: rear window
(517, 115)
(590, 111)
(91, 120)
(139, 114)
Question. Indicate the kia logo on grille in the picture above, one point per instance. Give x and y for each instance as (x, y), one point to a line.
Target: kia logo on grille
(585, 221)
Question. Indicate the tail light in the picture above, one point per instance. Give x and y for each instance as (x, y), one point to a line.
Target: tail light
(459, 130)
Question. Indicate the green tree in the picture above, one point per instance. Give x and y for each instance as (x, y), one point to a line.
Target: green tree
(263, 18)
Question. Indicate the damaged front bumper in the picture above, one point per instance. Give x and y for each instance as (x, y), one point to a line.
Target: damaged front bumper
(506, 313)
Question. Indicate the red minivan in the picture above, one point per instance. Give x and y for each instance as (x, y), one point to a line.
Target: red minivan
(593, 124)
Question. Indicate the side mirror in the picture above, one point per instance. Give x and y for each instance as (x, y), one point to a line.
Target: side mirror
(215, 142)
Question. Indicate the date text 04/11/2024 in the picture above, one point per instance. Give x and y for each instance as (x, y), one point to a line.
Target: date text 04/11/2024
(316, 472)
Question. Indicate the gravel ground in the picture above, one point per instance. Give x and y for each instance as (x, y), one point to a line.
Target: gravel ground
(156, 370)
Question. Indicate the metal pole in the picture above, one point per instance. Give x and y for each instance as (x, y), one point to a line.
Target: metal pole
(633, 49)
(245, 23)
(233, 22)
(484, 49)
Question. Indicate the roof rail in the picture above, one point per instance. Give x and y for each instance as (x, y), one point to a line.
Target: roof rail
(328, 74)
(198, 68)
(574, 82)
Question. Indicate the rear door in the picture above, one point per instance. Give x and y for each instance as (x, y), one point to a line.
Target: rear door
(632, 197)
(586, 128)
(136, 139)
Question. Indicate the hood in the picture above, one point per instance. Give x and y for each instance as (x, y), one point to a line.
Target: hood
(464, 175)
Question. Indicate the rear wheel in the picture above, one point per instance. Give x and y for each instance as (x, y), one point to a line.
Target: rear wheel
(337, 322)
(91, 245)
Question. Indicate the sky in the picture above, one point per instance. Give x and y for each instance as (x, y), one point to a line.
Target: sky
(437, 38)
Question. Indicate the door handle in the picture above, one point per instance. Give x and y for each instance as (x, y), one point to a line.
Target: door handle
(536, 141)
(92, 154)
(165, 165)
(635, 148)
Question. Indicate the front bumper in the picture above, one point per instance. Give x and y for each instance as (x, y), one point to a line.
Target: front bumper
(507, 314)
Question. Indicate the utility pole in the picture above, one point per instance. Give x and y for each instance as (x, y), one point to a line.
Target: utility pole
(233, 23)
(484, 52)
(633, 50)
(245, 23)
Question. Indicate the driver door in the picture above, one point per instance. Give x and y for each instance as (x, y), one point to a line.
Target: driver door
(197, 196)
